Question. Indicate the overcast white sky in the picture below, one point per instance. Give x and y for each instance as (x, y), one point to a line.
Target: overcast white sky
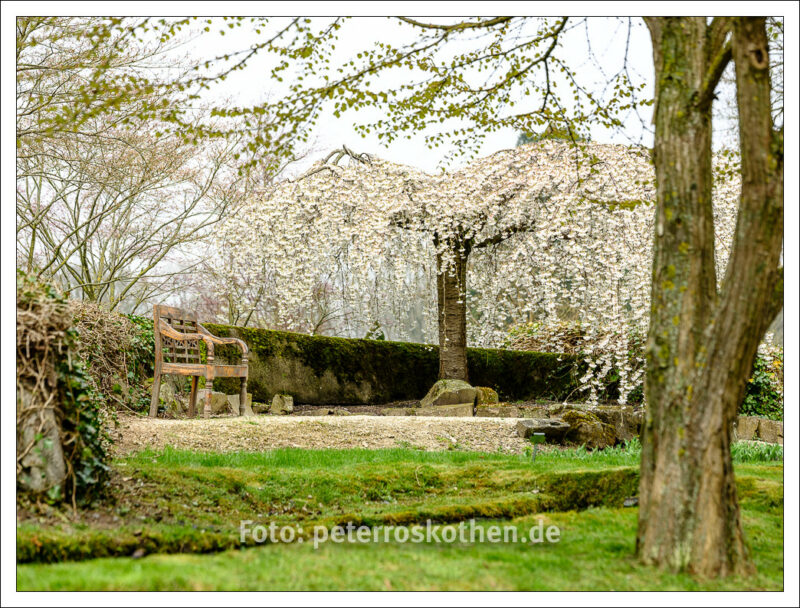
(608, 38)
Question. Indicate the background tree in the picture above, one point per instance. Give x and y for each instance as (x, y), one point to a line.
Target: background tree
(114, 220)
(348, 217)
(79, 78)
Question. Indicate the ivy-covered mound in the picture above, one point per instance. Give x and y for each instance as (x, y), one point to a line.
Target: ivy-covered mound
(325, 370)
(61, 441)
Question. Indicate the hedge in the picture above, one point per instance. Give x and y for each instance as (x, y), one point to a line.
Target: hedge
(325, 370)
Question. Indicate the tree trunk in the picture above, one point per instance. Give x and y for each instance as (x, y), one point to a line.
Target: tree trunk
(701, 346)
(451, 291)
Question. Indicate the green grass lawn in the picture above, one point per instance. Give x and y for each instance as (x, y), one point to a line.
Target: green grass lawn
(183, 510)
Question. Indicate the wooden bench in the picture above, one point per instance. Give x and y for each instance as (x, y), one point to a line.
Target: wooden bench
(177, 348)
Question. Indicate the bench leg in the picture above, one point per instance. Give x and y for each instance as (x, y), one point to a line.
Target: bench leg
(154, 397)
(243, 397)
(207, 405)
(193, 398)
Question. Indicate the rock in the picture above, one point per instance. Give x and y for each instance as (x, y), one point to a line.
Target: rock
(175, 404)
(282, 405)
(486, 396)
(317, 411)
(554, 430)
(219, 403)
(534, 412)
(233, 405)
(453, 409)
(259, 408)
(746, 428)
(621, 417)
(770, 431)
(587, 429)
(497, 411)
(340, 411)
(449, 392)
(397, 411)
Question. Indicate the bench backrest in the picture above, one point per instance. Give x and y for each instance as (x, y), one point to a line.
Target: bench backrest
(173, 351)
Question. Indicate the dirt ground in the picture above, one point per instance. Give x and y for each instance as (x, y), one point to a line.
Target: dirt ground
(265, 432)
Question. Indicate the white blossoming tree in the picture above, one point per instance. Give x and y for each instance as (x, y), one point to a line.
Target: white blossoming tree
(541, 228)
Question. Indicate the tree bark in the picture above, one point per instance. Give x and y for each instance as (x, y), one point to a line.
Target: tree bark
(451, 288)
(701, 344)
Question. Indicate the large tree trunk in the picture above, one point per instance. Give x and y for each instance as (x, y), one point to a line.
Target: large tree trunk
(451, 291)
(701, 345)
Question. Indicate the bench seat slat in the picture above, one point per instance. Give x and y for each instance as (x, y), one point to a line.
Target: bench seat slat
(201, 369)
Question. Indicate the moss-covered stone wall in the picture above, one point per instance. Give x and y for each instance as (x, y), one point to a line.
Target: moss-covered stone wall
(324, 370)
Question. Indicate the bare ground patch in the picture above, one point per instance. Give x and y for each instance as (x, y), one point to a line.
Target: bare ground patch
(260, 433)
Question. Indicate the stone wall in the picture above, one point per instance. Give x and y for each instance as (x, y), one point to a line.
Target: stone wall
(323, 370)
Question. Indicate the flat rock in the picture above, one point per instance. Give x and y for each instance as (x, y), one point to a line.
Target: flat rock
(534, 412)
(746, 428)
(587, 429)
(621, 417)
(233, 404)
(449, 392)
(260, 408)
(497, 411)
(219, 403)
(318, 411)
(554, 430)
(398, 411)
(175, 404)
(770, 431)
(282, 405)
(455, 409)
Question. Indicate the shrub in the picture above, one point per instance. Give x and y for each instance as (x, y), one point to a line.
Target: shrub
(118, 353)
(764, 392)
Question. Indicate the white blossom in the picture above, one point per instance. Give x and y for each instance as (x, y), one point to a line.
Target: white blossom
(568, 233)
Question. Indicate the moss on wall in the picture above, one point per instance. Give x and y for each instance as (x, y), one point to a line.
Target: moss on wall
(325, 370)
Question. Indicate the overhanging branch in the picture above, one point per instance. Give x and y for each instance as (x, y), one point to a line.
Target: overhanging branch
(463, 25)
(503, 235)
(718, 64)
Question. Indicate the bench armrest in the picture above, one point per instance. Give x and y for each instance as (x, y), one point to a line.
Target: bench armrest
(217, 340)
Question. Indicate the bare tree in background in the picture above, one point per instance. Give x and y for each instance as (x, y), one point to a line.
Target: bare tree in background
(111, 209)
(114, 220)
